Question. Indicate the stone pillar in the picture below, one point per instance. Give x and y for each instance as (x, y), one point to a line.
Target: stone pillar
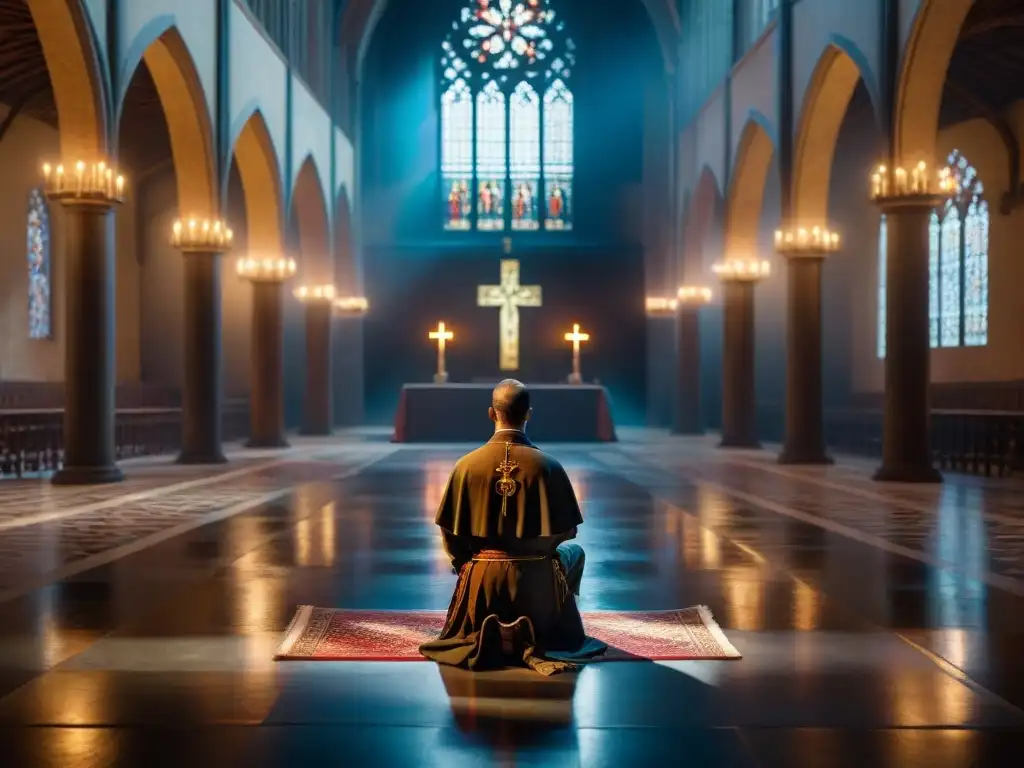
(266, 399)
(348, 384)
(89, 352)
(686, 413)
(317, 408)
(201, 392)
(739, 398)
(906, 444)
(804, 441)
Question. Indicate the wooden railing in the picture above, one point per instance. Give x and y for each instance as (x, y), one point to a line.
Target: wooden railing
(31, 440)
(975, 441)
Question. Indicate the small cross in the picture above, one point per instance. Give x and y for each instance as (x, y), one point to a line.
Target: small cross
(442, 335)
(576, 337)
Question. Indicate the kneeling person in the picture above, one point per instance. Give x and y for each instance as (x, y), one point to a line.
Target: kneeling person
(507, 517)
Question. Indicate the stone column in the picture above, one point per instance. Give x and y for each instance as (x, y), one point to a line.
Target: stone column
(317, 408)
(201, 396)
(739, 398)
(266, 397)
(348, 385)
(686, 413)
(89, 352)
(906, 444)
(804, 441)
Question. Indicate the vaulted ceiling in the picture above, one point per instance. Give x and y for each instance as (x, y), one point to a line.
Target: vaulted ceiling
(25, 90)
(987, 71)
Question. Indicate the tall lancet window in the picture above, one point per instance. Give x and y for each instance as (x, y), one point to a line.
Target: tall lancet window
(962, 270)
(507, 118)
(957, 265)
(40, 302)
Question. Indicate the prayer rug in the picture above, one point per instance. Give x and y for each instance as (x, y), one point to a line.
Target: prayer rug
(326, 634)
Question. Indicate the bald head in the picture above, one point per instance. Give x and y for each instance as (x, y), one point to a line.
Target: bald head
(510, 404)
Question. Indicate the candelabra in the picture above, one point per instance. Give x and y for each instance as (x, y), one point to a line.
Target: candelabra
(266, 270)
(693, 294)
(202, 235)
(657, 306)
(352, 305)
(816, 241)
(742, 269)
(921, 181)
(87, 182)
(317, 294)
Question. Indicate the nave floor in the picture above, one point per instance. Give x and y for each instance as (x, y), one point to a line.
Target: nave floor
(880, 625)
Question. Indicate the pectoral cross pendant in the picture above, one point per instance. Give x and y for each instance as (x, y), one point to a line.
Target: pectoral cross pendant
(506, 486)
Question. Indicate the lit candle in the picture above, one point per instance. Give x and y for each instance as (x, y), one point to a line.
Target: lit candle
(176, 240)
(778, 238)
(876, 185)
(79, 176)
(901, 181)
(119, 187)
(109, 187)
(46, 173)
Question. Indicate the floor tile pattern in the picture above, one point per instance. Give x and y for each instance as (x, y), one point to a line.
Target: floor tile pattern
(877, 623)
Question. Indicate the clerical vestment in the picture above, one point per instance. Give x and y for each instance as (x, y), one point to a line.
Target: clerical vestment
(505, 509)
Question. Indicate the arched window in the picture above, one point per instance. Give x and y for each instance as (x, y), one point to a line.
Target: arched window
(507, 118)
(962, 269)
(957, 265)
(40, 321)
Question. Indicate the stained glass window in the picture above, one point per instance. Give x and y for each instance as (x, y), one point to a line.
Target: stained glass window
(457, 152)
(963, 272)
(524, 156)
(949, 279)
(494, 63)
(40, 321)
(882, 266)
(934, 229)
(957, 265)
(976, 274)
(491, 166)
(558, 126)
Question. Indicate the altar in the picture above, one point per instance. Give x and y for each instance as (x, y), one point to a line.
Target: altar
(457, 413)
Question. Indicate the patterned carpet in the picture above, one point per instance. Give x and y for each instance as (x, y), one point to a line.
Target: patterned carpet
(325, 634)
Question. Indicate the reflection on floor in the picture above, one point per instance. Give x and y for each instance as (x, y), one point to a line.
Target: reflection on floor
(880, 625)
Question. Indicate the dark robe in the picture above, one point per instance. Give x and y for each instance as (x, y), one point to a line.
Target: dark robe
(512, 602)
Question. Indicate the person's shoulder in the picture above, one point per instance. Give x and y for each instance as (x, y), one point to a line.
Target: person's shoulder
(470, 460)
(545, 460)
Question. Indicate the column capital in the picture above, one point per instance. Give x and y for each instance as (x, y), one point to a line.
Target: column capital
(742, 270)
(266, 270)
(202, 235)
(96, 185)
(909, 203)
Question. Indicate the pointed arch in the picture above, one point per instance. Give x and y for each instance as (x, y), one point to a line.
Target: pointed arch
(705, 208)
(840, 68)
(754, 154)
(312, 223)
(926, 57)
(346, 274)
(160, 45)
(69, 49)
(258, 167)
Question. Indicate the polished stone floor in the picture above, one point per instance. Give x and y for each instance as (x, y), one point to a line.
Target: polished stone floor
(880, 625)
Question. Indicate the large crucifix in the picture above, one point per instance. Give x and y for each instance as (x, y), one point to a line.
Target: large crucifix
(508, 297)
